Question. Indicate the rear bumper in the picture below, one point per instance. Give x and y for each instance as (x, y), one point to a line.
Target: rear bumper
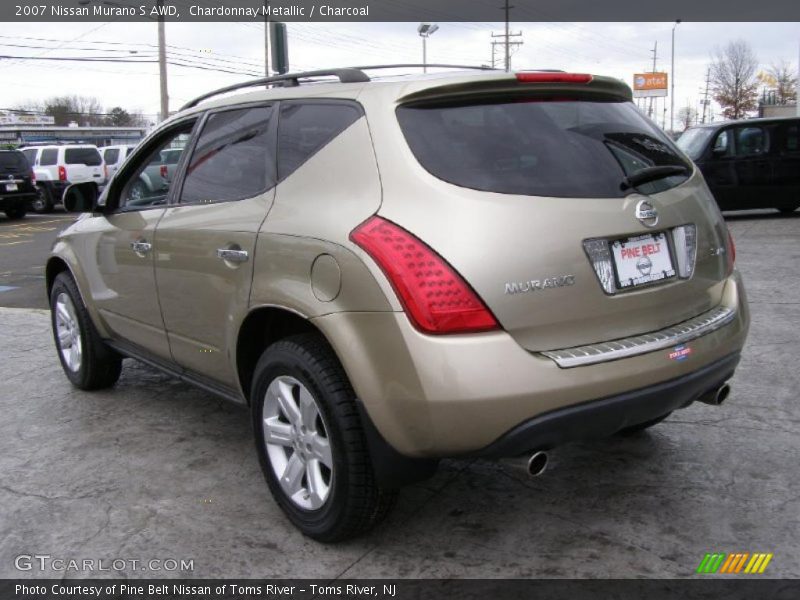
(605, 417)
(440, 396)
(12, 200)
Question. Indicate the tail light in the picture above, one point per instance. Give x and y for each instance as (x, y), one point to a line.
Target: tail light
(105, 171)
(685, 242)
(62, 173)
(730, 254)
(164, 171)
(33, 177)
(436, 299)
(545, 77)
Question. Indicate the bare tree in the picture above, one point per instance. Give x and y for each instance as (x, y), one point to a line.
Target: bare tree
(686, 116)
(733, 79)
(783, 82)
(83, 110)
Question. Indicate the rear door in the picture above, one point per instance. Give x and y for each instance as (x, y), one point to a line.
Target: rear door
(526, 199)
(205, 242)
(753, 165)
(82, 164)
(787, 164)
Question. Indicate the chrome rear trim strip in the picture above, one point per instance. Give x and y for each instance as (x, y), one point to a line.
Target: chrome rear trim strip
(642, 344)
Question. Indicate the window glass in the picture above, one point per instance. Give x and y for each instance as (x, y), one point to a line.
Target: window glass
(30, 155)
(12, 162)
(49, 157)
(149, 184)
(111, 156)
(751, 141)
(537, 147)
(693, 141)
(232, 159)
(722, 145)
(305, 128)
(790, 140)
(83, 156)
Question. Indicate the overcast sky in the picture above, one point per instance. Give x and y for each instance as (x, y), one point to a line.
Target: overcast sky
(615, 49)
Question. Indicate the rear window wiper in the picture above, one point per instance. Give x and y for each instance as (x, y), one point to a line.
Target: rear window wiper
(652, 174)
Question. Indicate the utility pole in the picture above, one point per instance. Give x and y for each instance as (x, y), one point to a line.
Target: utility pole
(797, 97)
(507, 38)
(672, 80)
(655, 58)
(162, 62)
(705, 94)
(266, 38)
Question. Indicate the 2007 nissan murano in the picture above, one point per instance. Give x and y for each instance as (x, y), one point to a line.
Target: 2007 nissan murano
(397, 270)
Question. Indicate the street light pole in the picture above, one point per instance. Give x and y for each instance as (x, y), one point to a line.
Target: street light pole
(425, 30)
(162, 64)
(672, 84)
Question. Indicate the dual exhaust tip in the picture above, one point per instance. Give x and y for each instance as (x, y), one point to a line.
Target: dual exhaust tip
(536, 464)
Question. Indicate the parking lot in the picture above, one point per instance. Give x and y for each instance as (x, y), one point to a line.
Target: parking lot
(155, 469)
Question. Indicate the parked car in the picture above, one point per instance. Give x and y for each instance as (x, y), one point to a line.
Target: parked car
(749, 164)
(17, 184)
(389, 272)
(113, 157)
(56, 167)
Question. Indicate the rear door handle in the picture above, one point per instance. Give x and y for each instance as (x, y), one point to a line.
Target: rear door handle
(141, 247)
(232, 255)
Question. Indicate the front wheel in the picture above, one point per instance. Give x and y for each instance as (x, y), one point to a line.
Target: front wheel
(310, 441)
(87, 362)
(18, 212)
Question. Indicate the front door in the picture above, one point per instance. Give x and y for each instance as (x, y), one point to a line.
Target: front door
(124, 286)
(205, 242)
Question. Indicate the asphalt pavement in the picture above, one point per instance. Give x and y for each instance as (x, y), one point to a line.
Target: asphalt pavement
(156, 470)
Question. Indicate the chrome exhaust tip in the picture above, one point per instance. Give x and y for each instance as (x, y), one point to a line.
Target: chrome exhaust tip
(530, 466)
(537, 463)
(716, 397)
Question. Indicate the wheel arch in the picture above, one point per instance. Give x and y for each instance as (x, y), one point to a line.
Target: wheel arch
(262, 327)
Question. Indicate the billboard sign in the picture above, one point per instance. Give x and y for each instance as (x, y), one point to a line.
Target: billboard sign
(24, 119)
(648, 85)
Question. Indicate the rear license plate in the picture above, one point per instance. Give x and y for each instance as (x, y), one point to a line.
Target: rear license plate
(642, 259)
(11, 187)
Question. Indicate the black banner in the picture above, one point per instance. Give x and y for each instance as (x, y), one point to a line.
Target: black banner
(733, 588)
(397, 10)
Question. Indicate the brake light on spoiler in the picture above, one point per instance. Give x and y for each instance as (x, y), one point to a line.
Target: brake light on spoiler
(435, 297)
(549, 77)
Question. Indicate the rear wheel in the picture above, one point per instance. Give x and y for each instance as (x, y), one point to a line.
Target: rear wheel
(87, 362)
(310, 441)
(634, 429)
(43, 202)
(18, 212)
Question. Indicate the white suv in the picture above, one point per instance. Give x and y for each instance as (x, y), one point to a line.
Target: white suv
(56, 167)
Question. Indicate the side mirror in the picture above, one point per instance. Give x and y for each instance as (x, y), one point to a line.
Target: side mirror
(80, 197)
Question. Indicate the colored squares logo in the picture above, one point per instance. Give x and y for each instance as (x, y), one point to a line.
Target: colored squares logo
(737, 562)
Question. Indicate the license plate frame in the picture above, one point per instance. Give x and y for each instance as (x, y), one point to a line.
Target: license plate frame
(642, 260)
(12, 187)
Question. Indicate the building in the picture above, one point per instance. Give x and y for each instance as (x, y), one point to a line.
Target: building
(28, 134)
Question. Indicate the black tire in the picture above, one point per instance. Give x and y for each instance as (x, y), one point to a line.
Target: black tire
(787, 210)
(634, 429)
(99, 366)
(44, 202)
(18, 212)
(355, 503)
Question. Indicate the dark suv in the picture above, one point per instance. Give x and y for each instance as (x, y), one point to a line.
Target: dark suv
(17, 184)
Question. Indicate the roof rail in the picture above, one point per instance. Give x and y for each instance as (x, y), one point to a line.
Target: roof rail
(431, 65)
(347, 75)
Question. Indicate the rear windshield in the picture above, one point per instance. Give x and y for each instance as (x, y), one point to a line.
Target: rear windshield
(539, 147)
(13, 161)
(693, 141)
(82, 156)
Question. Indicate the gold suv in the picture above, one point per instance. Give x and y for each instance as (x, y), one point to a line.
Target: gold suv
(392, 271)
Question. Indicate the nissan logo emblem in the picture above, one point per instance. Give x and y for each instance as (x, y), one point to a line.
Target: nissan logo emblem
(646, 213)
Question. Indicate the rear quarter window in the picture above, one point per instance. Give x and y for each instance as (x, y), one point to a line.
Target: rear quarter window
(13, 161)
(306, 127)
(539, 146)
(83, 156)
(111, 156)
(49, 157)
